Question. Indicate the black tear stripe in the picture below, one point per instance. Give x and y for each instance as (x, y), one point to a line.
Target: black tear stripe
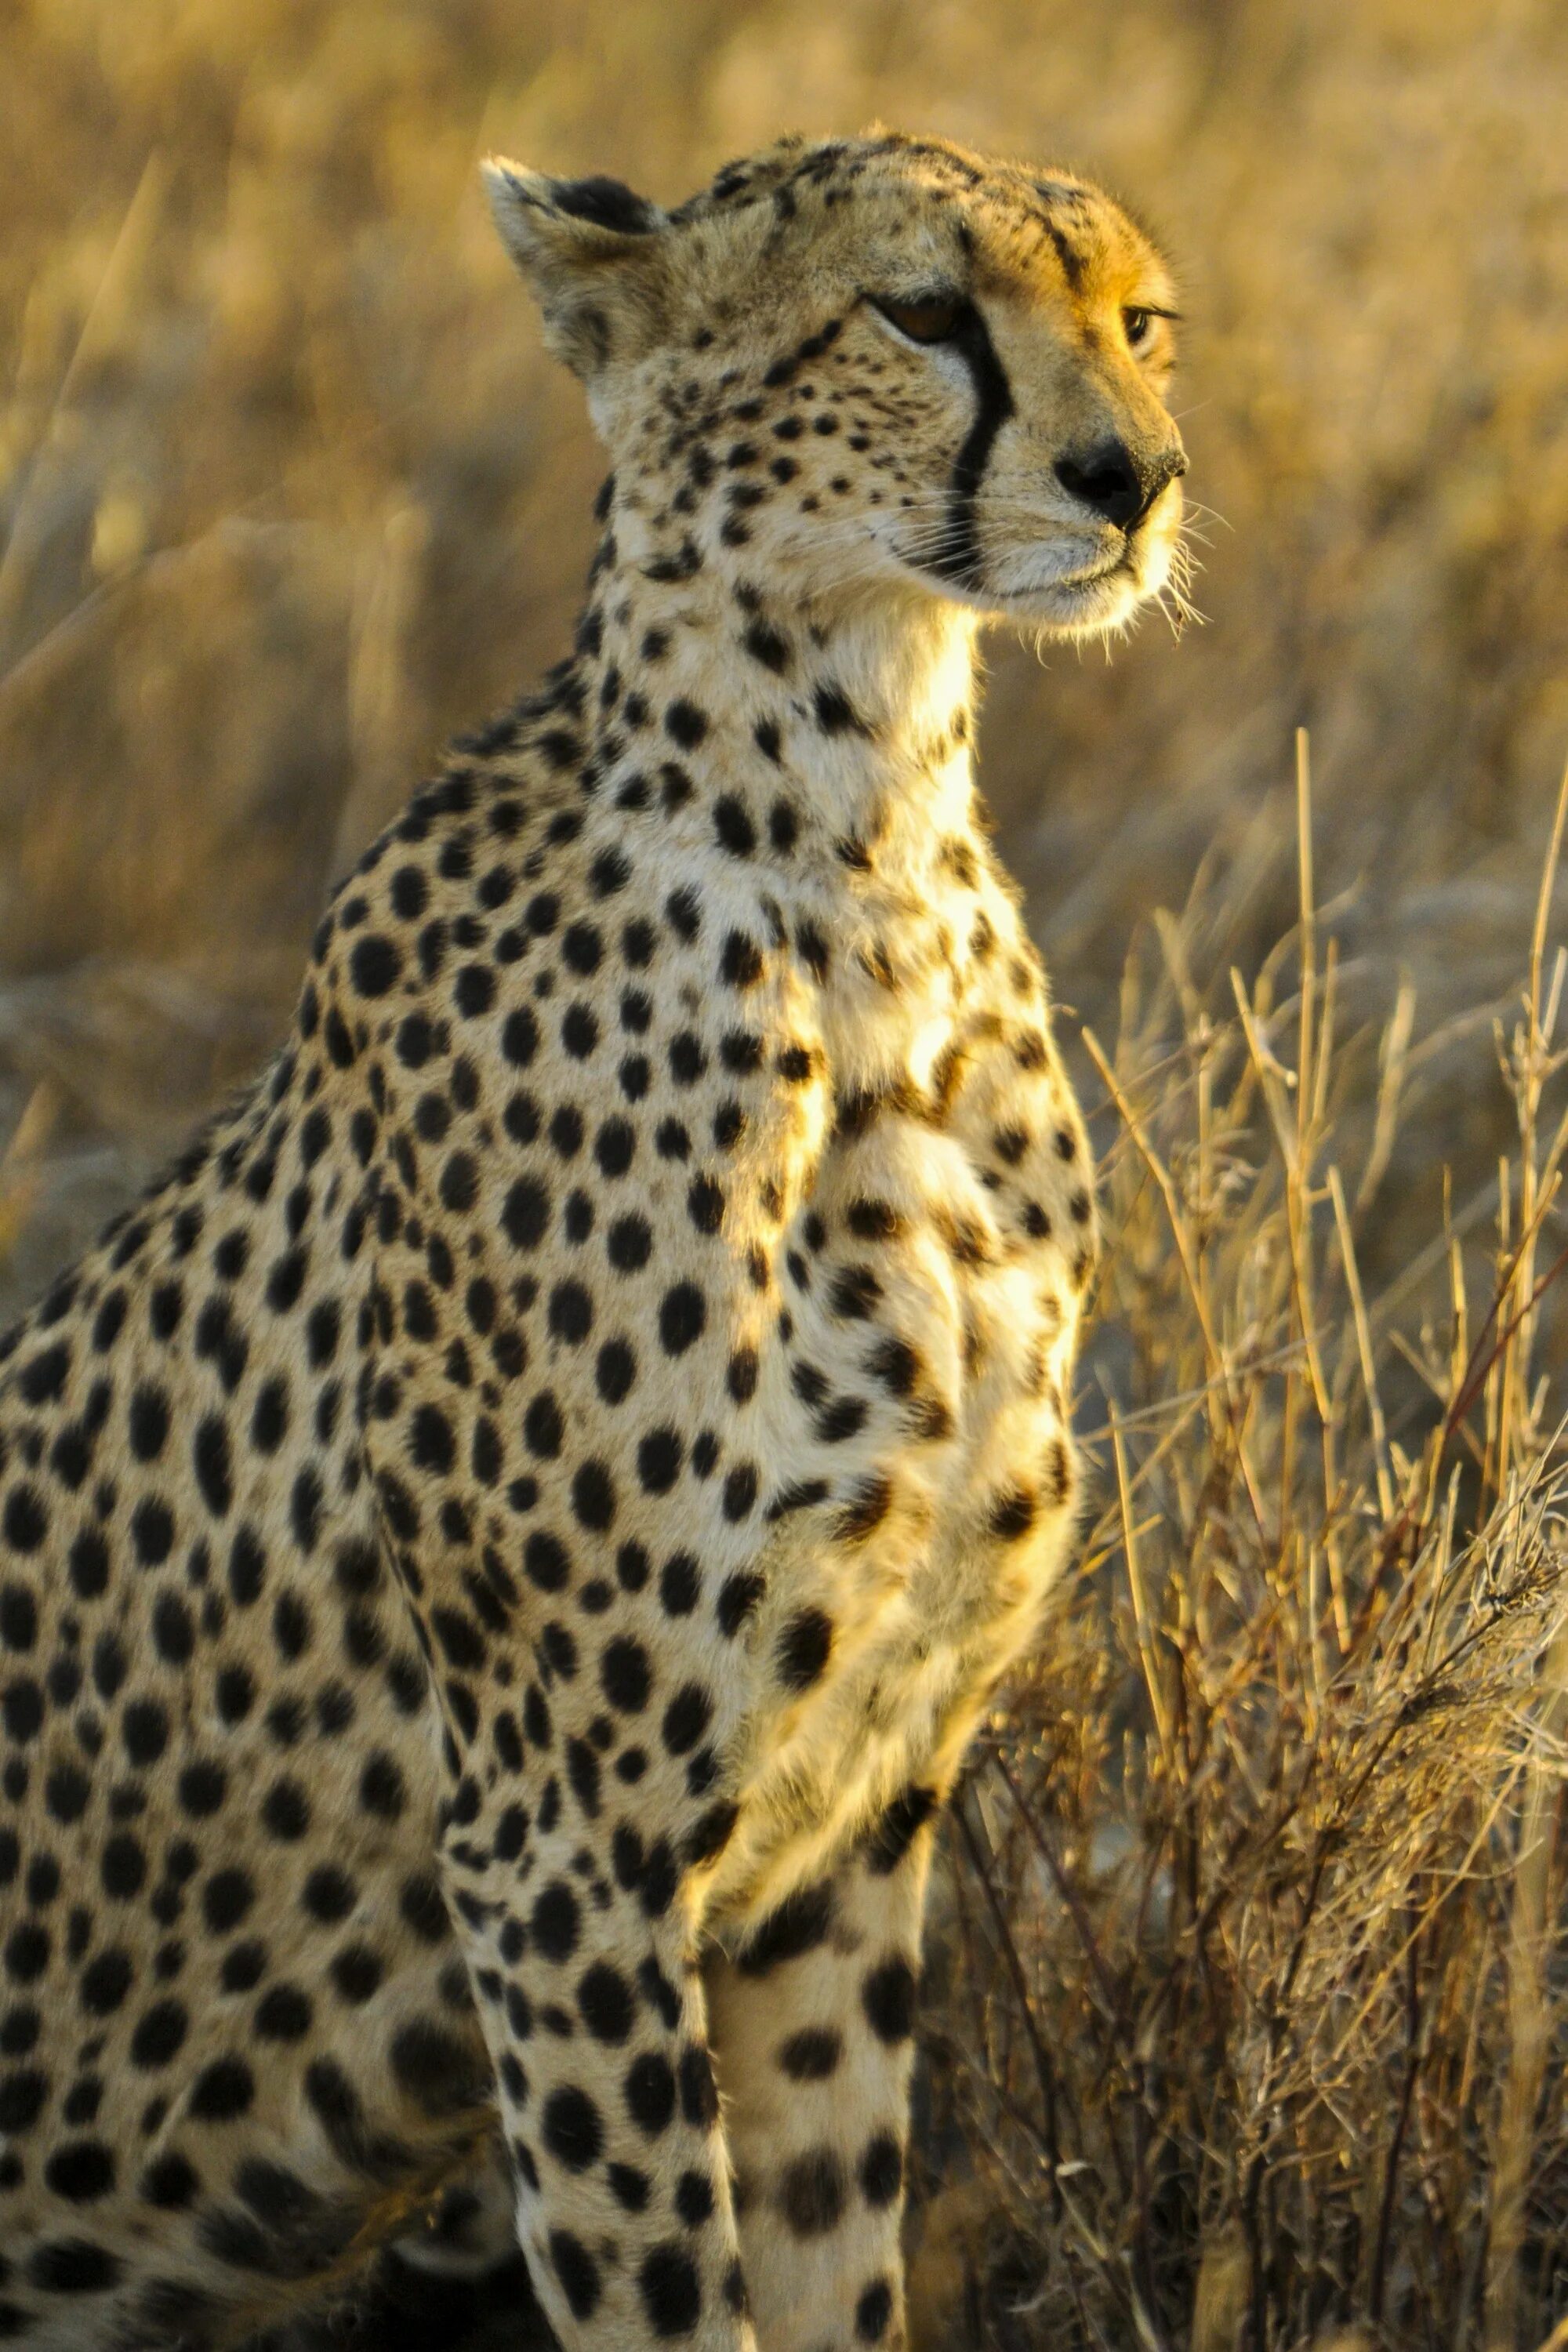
(958, 559)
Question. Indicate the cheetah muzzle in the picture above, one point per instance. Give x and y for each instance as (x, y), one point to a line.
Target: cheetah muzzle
(502, 1551)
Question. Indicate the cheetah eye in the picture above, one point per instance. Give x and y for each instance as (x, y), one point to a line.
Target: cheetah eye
(934, 321)
(1135, 326)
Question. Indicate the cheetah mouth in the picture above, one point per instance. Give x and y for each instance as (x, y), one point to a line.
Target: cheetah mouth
(1097, 595)
(1050, 596)
(1099, 592)
(1070, 584)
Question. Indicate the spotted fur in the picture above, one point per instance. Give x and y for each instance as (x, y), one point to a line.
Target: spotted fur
(502, 1551)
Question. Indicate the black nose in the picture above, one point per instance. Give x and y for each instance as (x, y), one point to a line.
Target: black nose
(1118, 483)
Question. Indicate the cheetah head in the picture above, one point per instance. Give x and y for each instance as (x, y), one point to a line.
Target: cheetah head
(882, 366)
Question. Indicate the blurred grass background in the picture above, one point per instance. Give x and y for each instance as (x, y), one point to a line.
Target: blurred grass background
(1222, 2048)
(288, 491)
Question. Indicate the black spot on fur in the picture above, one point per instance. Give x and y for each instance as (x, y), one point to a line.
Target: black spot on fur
(873, 2311)
(801, 1922)
(887, 1998)
(671, 2291)
(811, 2193)
(898, 1829)
(812, 2054)
(804, 1648)
(73, 2266)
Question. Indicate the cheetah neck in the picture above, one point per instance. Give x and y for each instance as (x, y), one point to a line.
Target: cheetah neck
(822, 736)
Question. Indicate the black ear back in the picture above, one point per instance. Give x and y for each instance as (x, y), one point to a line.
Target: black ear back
(606, 203)
(594, 256)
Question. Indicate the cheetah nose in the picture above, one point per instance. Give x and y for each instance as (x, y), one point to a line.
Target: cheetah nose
(1118, 483)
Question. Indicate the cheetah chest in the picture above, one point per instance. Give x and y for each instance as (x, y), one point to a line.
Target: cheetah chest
(914, 1401)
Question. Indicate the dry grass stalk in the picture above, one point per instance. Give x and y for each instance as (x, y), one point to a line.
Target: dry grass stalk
(21, 1162)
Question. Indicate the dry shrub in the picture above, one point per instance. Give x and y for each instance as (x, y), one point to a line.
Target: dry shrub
(1253, 2022)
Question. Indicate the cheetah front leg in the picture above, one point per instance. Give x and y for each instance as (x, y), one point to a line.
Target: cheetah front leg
(812, 2021)
(592, 2009)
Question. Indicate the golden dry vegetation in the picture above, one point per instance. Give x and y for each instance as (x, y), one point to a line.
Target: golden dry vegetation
(1247, 2025)
(1255, 2011)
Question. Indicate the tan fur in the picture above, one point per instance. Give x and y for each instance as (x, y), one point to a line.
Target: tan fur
(593, 1419)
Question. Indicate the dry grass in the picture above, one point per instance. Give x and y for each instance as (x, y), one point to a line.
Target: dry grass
(1255, 2017)
(1249, 2017)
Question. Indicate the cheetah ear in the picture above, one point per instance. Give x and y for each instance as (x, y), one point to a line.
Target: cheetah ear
(594, 254)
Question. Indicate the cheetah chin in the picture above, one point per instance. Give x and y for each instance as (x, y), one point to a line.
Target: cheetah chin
(502, 1551)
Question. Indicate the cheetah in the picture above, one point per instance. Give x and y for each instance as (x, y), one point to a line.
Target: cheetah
(503, 1549)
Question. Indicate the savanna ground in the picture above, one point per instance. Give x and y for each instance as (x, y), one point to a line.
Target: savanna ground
(1247, 2023)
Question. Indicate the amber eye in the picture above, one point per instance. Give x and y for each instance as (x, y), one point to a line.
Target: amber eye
(932, 321)
(1135, 326)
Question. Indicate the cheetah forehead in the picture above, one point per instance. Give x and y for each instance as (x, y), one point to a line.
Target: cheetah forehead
(804, 213)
